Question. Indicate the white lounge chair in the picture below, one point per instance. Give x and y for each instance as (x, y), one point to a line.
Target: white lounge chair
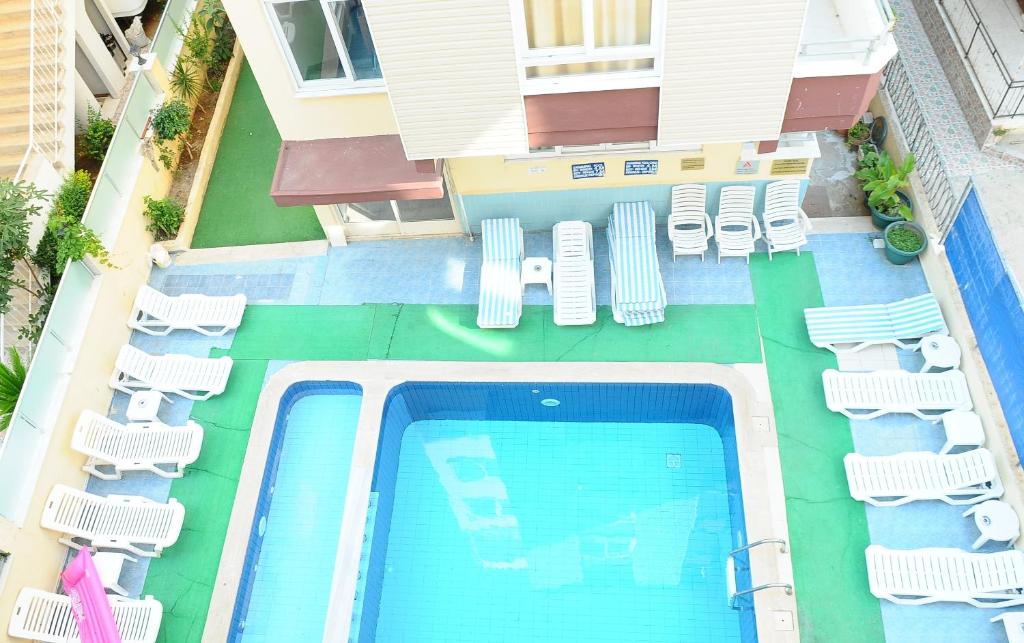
(638, 292)
(501, 294)
(785, 223)
(736, 229)
(197, 378)
(44, 616)
(893, 480)
(130, 523)
(922, 576)
(575, 301)
(902, 323)
(863, 396)
(155, 313)
(689, 226)
(135, 447)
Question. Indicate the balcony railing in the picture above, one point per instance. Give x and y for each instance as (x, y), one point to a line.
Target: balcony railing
(875, 18)
(1002, 91)
(45, 83)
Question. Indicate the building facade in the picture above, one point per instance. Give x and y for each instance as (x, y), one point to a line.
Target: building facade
(400, 118)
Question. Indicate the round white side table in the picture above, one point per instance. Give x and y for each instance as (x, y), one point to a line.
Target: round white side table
(996, 520)
(143, 406)
(536, 270)
(940, 351)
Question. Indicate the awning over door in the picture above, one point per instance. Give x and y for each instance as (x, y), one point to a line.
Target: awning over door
(352, 170)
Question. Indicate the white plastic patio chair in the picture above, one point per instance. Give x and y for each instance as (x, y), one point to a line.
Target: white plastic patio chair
(902, 323)
(923, 576)
(155, 313)
(44, 616)
(501, 294)
(689, 226)
(785, 223)
(736, 229)
(135, 447)
(893, 480)
(864, 396)
(197, 378)
(573, 292)
(130, 523)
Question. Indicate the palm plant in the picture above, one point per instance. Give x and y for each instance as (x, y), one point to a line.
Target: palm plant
(12, 379)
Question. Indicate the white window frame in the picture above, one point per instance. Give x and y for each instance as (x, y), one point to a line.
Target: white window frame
(602, 149)
(588, 53)
(326, 86)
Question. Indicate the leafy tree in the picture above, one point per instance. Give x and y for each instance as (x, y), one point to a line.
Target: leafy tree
(76, 241)
(19, 202)
(98, 133)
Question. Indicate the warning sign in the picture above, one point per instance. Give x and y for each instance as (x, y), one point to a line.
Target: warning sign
(747, 167)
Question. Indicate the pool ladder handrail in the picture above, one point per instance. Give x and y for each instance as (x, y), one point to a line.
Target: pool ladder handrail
(730, 566)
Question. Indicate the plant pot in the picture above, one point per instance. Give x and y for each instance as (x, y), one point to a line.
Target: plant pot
(879, 131)
(896, 255)
(883, 220)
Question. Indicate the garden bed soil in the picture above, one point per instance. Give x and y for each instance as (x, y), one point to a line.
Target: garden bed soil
(181, 184)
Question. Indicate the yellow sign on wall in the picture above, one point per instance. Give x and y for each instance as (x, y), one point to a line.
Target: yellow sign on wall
(693, 164)
(784, 167)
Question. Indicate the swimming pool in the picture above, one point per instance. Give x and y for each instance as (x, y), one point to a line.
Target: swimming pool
(286, 582)
(554, 512)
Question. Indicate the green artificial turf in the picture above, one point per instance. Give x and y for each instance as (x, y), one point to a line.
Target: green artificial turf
(722, 334)
(828, 530)
(237, 209)
(183, 577)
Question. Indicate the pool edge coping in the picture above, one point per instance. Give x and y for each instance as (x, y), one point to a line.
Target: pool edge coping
(757, 448)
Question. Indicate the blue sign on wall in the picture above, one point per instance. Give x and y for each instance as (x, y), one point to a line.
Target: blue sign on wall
(587, 170)
(641, 167)
(994, 308)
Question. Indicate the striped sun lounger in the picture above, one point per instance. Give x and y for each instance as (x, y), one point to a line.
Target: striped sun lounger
(902, 323)
(638, 293)
(501, 294)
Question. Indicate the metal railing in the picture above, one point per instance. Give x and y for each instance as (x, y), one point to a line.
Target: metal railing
(931, 167)
(854, 48)
(730, 566)
(45, 83)
(1003, 93)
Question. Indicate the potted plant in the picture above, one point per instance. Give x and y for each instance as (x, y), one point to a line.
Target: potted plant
(857, 135)
(904, 240)
(883, 182)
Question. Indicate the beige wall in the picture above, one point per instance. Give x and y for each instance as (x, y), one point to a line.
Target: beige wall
(302, 118)
(36, 556)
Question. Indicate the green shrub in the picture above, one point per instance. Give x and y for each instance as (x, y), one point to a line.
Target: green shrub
(98, 133)
(45, 255)
(171, 120)
(904, 238)
(73, 195)
(75, 241)
(165, 217)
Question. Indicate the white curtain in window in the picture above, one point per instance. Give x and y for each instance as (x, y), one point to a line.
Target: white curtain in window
(616, 23)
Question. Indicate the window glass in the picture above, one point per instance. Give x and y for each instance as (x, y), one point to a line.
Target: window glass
(553, 23)
(309, 40)
(355, 33)
(373, 210)
(620, 23)
(426, 209)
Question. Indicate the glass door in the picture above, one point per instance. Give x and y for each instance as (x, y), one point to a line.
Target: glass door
(421, 217)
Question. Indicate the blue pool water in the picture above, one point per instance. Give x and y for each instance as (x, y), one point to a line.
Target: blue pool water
(605, 517)
(284, 591)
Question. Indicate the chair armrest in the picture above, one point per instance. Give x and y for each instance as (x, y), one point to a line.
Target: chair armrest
(805, 220)
(757, 227)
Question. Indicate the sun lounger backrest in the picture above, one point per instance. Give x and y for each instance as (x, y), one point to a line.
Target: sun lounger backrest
(502, 239)
(782, 201)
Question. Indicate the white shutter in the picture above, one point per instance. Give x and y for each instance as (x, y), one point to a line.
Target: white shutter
(728, 67)
(450, 67)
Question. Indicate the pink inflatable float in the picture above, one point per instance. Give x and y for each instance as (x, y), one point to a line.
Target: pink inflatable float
(89, 602)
